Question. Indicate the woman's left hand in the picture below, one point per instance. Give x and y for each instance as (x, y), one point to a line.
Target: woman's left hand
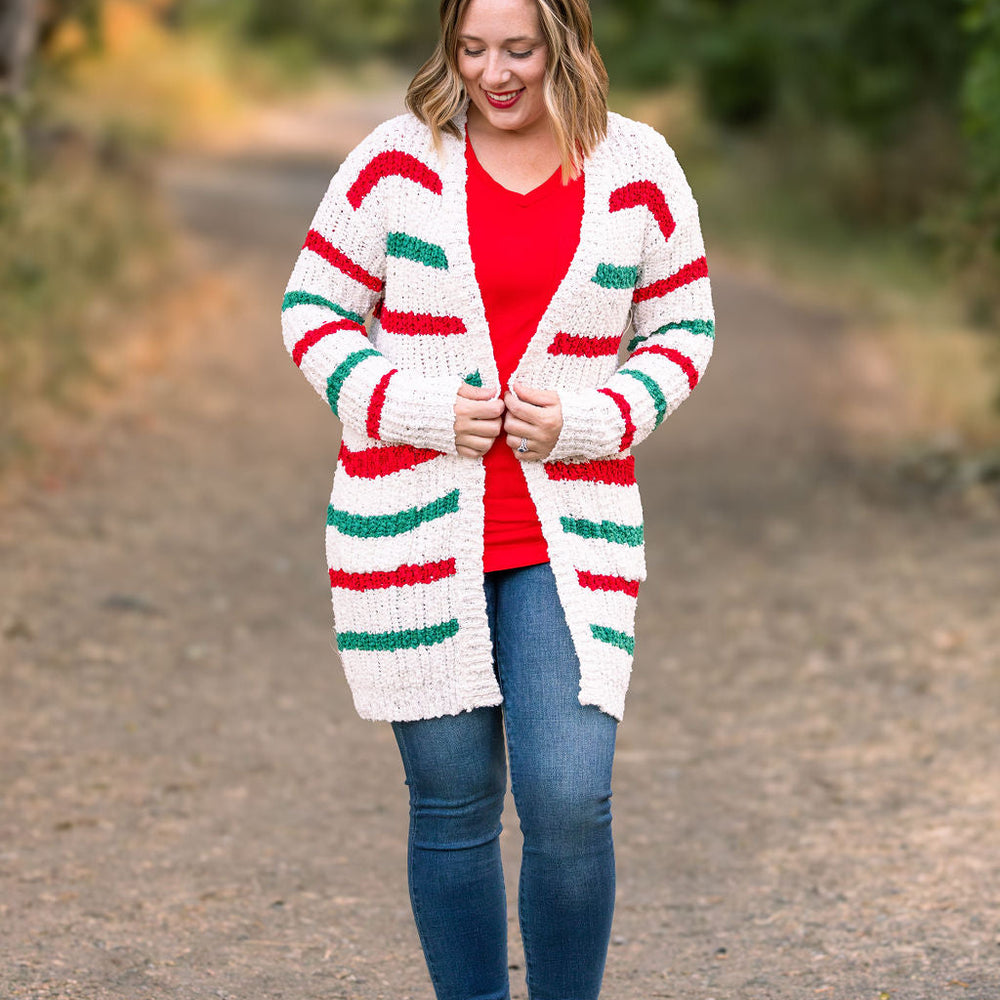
(533, 416)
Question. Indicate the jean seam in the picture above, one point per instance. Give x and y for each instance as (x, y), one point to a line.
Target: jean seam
(425, 939)
(524, 895)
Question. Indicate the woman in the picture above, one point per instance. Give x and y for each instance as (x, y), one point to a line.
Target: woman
(484, 533)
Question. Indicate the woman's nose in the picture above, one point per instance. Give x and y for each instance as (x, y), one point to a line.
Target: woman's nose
(496, 73)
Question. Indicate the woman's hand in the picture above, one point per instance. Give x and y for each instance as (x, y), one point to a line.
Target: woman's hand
(477, 421)
(535, 417)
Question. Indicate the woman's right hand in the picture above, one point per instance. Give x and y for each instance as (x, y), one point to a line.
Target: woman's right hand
(478, 421)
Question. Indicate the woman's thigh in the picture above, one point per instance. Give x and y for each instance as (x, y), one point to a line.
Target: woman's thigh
(561, 752)
(456, 773)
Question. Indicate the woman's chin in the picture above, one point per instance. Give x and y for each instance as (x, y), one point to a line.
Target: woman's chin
(513, 120)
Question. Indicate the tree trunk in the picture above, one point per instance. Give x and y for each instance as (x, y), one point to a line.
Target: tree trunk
(18, 35)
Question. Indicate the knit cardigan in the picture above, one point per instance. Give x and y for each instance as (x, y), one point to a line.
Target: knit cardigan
(383, 315)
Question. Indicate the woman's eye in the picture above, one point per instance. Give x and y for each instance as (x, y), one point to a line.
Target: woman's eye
(523, 55)
(471, 52)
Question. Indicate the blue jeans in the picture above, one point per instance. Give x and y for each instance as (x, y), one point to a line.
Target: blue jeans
(560, 756)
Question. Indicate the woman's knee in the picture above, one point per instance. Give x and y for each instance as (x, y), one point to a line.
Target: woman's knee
(562, 816)
(456, 773)
(561, 777)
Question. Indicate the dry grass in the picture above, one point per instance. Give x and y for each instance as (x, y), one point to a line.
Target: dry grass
(168, 87)
(78, 253)
(85, 246)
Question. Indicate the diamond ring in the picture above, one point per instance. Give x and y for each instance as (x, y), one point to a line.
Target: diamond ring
(523, 446)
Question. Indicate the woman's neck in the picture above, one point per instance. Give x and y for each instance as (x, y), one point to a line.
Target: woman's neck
(519, 160)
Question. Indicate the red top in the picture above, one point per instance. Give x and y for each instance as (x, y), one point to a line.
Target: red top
(522, 246)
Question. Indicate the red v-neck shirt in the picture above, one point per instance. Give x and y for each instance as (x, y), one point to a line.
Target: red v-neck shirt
(522, 246)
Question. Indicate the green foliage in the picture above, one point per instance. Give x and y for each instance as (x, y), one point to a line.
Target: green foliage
(884, 116)
(738, 75)
(979, 241)
(347, 31)
(866, 63)
(981, 92)
(643, 41)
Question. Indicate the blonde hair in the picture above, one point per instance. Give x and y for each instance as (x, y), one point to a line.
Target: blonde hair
(575, 89)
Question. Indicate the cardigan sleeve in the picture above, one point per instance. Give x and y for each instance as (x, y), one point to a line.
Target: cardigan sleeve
(337, 281)
(672, 319)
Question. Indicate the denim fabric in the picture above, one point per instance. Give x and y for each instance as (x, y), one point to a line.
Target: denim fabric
(560, 754)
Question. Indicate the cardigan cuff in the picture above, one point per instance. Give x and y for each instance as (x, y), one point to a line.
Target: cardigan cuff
(592, 426)
(420, 411)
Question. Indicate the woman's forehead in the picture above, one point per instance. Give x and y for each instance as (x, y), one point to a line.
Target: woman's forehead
(518, 18)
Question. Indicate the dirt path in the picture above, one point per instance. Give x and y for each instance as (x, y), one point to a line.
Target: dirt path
(808, 782)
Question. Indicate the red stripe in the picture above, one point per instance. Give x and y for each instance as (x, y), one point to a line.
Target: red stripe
(321, 245)
(373, 463)
(688, 273)
(405, 576)
(584, 347)
(392, 163)
(648, 194)
(418, 324)
(376, 404)
(615, 471)
(314, 336)
(626, 411)
(614, 584)
(678, 359)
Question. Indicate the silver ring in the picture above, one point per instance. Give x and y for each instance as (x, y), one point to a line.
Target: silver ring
(523, 446)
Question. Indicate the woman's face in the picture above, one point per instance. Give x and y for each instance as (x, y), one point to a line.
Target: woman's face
(501, 58)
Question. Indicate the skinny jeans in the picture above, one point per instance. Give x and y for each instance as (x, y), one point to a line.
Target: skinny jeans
(560, 756)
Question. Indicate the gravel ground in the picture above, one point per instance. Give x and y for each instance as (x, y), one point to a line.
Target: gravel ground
(807, 786)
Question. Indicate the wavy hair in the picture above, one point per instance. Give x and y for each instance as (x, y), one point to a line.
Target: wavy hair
(575, 89)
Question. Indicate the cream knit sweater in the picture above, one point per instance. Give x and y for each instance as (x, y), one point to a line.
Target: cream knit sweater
(389, 245)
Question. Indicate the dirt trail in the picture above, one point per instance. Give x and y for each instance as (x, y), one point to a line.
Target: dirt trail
(807, 787)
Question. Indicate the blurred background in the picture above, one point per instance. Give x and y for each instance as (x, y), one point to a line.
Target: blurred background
(849, 150)
(807, 781)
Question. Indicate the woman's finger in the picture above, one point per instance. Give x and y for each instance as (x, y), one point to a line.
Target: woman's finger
(481, 428)
(547, 416)
(474, 391)
(520, 428)
(481, 409)
(535, 397)
(514, 443)
(546, 430)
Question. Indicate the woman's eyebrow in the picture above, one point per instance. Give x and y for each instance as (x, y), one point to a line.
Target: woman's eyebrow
(506, 41)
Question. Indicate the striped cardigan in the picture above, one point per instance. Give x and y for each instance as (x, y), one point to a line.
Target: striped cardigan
(383, 316)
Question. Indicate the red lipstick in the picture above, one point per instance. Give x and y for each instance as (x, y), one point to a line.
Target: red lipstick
(504, 100)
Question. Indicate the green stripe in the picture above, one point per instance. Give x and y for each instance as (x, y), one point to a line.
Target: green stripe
(308, 299)
(614, 638)
(612, 276)
(474, 378)
(409, 247)
(698, 327)
(409, 638)
(623, 534)
(659, 400)
(335, 383)
(387, 525)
